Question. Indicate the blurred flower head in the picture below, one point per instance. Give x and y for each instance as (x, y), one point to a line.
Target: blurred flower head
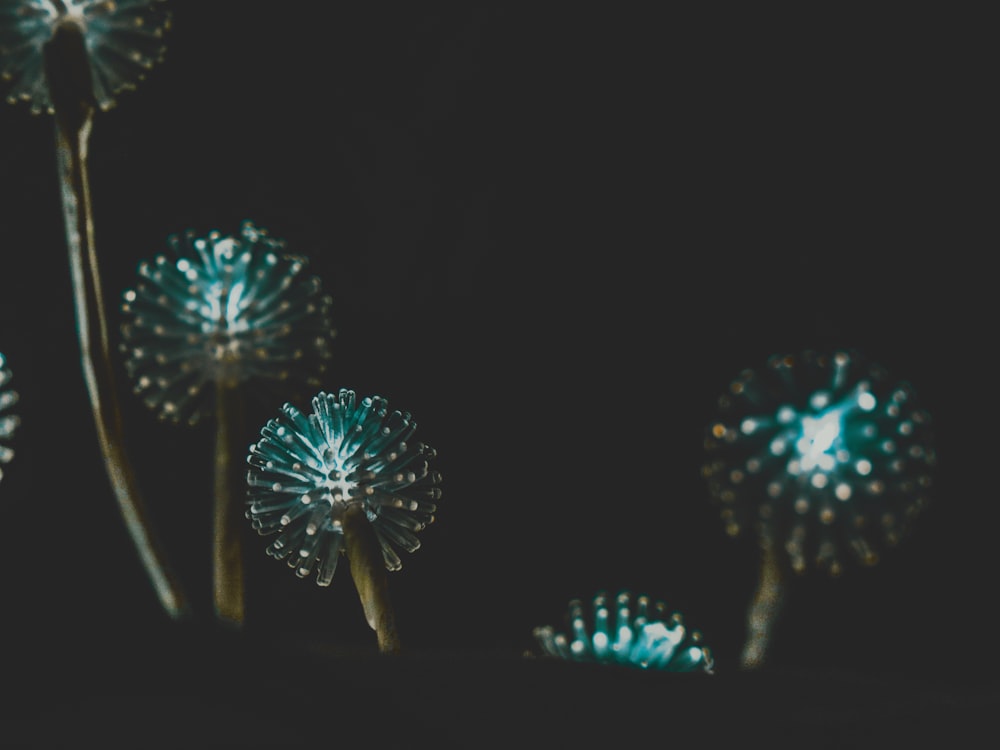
(306, 471)
(123, 39)
(643, 634)
(222, 309)
(8, 421)
(823, 454)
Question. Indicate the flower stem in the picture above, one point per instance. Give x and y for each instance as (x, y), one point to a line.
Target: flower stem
(68, 76)
(227, 516)
(764, 607)
(364, 554)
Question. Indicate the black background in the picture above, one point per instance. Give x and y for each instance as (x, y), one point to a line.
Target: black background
(554, 238)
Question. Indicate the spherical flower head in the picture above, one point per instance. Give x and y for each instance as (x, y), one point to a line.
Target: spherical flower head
(823, 454)
(8, 421)
(306, 471)
(123, 40)
(222, 309)
(645, 635)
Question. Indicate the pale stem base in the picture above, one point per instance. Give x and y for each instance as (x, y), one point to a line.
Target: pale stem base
(764, 608)
(371, 578)
(68, 77)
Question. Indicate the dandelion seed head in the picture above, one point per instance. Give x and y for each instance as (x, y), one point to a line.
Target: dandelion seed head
(124, 39)
(307, 470)
(223, 309)
(643, 634)
(836, 446)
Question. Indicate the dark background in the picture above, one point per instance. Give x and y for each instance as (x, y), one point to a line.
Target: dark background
(553, 238)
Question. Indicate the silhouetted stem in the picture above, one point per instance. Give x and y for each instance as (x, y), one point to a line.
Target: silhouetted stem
(228, 518)
(68, 76)
(764, 607)
(364, 554)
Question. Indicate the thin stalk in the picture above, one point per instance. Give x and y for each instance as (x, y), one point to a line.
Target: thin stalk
(764, 607)
(68, 75)
(364, 554)
(227, 517)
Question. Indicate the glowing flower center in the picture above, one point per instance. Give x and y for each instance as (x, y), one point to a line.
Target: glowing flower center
(222, 307)
(76, 12)
(818, 437)
(223, 323)
(821, 442)
(219, 295)
(70, 8)
(340, 488)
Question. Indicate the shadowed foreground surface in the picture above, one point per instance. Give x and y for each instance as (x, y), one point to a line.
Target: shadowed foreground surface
(217, 688)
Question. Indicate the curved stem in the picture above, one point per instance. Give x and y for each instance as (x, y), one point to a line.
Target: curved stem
(764, 607)
(227, 516)
(364, 554)
(68, 76)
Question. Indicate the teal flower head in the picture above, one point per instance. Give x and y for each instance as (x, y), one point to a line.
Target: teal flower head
(124, 39)
(825, 455)
(638, 633)
(222, 309)
(9, 421)
(307, 470)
